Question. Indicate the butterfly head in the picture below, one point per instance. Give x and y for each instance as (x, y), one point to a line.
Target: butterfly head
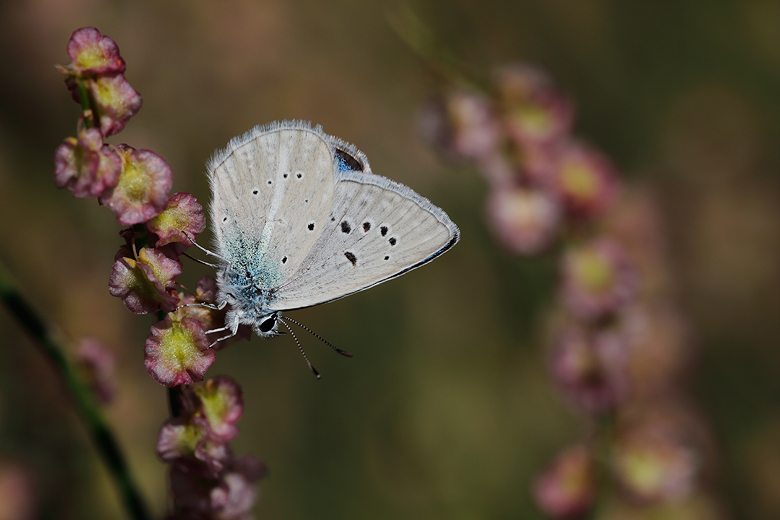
(266, 325)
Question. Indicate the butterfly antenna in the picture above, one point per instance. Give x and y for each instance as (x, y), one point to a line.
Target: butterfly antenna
(214, 266)
(307, 329)
(211, 253)
(311, 367)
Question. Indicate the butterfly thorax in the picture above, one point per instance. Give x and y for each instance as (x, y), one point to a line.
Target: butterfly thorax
(248, 301)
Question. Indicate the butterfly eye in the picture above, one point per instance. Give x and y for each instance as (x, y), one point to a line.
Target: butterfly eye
(268, 324)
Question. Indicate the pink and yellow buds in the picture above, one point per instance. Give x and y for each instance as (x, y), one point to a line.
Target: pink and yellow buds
(586, 181)
(598, 279)
(535, 112)
(96, 81)
(207, 481)
(221, 404)
(525, 220)
(145, 284)
(116, 102)
(86, 166)
(591, 369)
(177, 352)
(92, 53)
(181, 220)
(142, 190)
(567, 488)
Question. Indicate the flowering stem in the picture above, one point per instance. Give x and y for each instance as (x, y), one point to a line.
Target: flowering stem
(421, 40)
(605, 439)
(86, 107)
(51, 346)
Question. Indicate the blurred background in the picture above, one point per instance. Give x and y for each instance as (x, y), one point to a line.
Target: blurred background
(447, 409)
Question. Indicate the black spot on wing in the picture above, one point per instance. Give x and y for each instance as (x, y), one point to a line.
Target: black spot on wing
(345, 227)
(351, 257)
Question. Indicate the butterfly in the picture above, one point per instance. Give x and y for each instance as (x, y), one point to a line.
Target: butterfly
(299, 219)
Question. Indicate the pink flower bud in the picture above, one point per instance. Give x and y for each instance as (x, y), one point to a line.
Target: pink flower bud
(145, 284)
(177, 352)
(598, 279)
(182, 219)
(92, 53)
(535, 112)
(591, 369)
(525, 220)
(567, 488)
(222, 405)
(586, 181)
(116, 100)
(654, 465)
(85, 165)
(142, 190)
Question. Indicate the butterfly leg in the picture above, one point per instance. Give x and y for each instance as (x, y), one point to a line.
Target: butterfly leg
(233, 329)
(206, 305)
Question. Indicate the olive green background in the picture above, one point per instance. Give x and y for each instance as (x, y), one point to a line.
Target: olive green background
(446, 410)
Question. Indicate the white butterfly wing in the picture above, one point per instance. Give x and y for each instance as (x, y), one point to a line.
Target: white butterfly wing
(272, 191)
(293, 218)
(378, 230)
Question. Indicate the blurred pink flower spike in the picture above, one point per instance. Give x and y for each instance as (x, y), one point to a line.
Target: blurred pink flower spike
(98, 362)
(206, 292)
(525, 220)
(535, 112)
(86, 166)
(142, 190)
(475, 132)
(145, 284)
(234, 497)
(591, 369)
(116, 102)
(221, 403)
(188, 440)
(567, 488)
(182, 219)
(229, 496)
(177, 353)
(586, 181)
(92, 53)
(598, 279)
(653, 466)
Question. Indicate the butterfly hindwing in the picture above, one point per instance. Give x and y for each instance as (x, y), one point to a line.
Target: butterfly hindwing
(377, 230)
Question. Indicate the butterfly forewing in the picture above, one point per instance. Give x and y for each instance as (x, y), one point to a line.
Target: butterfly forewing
(272, 193)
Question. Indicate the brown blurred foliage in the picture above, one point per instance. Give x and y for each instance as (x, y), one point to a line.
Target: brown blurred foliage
(446, 410)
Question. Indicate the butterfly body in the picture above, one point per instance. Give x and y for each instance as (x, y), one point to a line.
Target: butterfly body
(299, 219)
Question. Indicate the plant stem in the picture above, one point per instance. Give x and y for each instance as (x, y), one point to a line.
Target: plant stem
(50, 344)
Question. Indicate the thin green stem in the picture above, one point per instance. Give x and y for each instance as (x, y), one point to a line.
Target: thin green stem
(87, 105)
(423, 42)
(50, 344)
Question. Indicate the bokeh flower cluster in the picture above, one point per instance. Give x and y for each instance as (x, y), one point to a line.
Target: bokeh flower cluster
(619, 350)
(207, 481)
